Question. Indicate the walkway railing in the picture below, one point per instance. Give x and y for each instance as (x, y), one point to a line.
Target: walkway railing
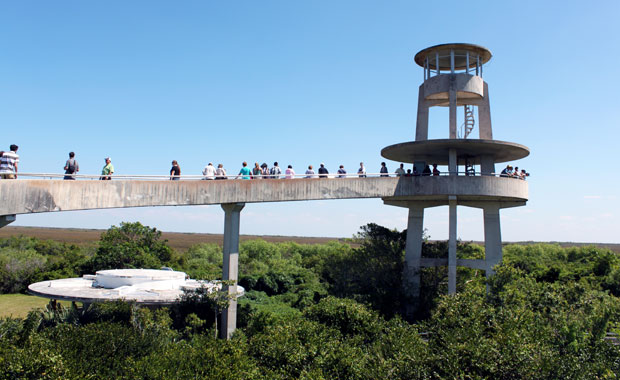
(159, 177)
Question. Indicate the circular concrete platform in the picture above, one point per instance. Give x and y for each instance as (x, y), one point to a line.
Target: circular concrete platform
(143, 286)
(460, 61)
(470, 150)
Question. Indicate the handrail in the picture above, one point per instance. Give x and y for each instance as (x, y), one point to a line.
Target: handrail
(160, 177)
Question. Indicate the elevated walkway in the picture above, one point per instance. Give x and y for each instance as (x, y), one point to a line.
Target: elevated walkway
(35, 196)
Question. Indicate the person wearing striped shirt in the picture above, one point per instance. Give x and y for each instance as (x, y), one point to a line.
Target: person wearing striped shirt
(8, 163)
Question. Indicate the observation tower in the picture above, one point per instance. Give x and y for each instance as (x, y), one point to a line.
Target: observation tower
(453, 79)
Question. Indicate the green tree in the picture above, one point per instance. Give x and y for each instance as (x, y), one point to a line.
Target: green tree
(131, 245)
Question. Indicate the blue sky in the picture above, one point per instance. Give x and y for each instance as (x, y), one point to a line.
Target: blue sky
(146, 82)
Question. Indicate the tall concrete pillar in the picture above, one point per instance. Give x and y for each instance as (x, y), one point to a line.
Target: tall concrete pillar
(487, 165)
(492, 237)
(452, 162)
(452, 105)
(452, 246)
(232, 213)
(413, 258)
(484, 115)
(421, 129)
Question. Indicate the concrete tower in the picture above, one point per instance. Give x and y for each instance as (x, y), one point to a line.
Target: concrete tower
(453, 79)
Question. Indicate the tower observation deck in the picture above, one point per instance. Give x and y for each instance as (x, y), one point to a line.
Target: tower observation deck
(453, 79)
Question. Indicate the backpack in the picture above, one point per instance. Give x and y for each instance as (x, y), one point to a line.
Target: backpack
(71, 166)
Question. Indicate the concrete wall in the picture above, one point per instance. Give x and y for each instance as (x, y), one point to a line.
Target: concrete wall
(33, 196)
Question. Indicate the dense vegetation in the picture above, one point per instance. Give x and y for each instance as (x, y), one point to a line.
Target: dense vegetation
(321, 312)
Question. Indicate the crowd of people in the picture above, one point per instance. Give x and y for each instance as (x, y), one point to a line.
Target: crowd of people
(9, 163)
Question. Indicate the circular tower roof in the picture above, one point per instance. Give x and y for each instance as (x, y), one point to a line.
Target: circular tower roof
(471, 150)
(460, 61)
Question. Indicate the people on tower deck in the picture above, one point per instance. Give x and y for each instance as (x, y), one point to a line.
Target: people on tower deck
(175, 171)
(264, 170)
(507, 172)
(245, 172)
(415, 171)
(383, 170)
(220, 172)
(323, 171)
(309, 172)
(256, 171)
(408, 174)
(341, 172)
(400, 171)
(290, 173)
(435, 170)
(426, 171)
(209, 171)
(108, 170)
(275, 171)
(8, 163)
(71, 166)
(362, 170)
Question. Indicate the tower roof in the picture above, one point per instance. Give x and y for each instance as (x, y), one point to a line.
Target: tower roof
(460, 50)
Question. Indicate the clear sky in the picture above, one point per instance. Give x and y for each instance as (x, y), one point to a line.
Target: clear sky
(304, 82)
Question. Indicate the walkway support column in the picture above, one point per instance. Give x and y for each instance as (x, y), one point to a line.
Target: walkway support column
(492, 237)
(230, 271)
(413, 259)
(452, 246)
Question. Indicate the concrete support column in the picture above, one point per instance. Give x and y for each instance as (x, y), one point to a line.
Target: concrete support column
(421, 129)
(6, 219)
(452, 105)
(484, 115)
(413, 256)
(487, 165)
(452, 163)
(492, 237)
(232, 213)
(452, 246)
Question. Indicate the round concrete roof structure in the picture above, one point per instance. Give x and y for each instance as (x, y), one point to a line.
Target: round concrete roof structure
(460, 60)
(143, 286)
(470, 150)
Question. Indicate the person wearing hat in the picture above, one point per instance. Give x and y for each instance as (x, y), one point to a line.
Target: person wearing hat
(310, 172)
(507, 172)
(107, 170)
(323, 171)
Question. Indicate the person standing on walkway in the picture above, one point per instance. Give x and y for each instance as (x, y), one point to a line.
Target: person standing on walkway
(107, 170)
(256, 171)
(71, 167)
(400, 171)
(209, 171)
(323, 171)
(362, 170)
(245, 172)
(384, 170)
(309, 172)
(435, 170)
(341, 172)
(290, 173)
(220, 172)
(264, 170)
(275, 171)
(175, 171)
(8, 163)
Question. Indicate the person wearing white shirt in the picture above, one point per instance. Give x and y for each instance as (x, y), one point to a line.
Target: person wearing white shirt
(289, 173)
(362, 170)
(209, 171)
